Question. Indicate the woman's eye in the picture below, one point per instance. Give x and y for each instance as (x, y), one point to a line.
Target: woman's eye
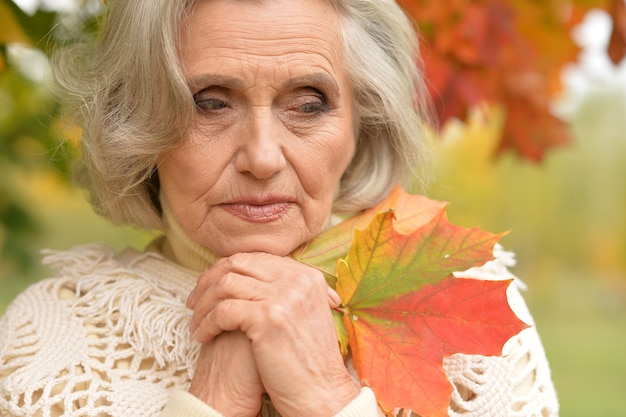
(315, 107)
(309, 104)
(208, 104)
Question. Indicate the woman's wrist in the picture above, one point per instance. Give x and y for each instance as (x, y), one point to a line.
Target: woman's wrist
(222, 404)
(344, 397)
(322, 400)
(226, 378)
(365, 405)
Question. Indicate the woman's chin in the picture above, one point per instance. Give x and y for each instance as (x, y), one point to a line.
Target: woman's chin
(266, 244)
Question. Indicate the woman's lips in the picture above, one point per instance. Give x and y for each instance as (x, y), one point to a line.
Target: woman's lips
(258, 212)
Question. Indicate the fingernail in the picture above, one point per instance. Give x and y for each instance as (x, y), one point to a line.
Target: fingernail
(188, 302)
(195, 335)
(334, 298)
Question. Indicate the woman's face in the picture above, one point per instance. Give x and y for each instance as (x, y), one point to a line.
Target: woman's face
(259, 169)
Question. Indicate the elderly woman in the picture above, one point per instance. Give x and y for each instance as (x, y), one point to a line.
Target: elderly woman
(239, 129)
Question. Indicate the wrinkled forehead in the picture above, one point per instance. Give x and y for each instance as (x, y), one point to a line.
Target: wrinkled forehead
(263, 28)
(334, 7)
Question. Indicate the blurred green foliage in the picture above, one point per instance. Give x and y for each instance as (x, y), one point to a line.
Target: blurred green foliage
(27, 113)
(26, 141)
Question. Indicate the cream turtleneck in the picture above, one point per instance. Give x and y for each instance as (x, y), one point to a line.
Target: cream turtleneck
(178, 247)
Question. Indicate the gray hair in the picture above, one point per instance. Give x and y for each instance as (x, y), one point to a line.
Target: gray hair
(129, 95)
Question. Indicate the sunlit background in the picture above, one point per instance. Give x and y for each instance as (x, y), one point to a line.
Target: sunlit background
(567, 214)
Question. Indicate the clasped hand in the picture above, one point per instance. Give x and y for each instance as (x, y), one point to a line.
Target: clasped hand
(266, 326)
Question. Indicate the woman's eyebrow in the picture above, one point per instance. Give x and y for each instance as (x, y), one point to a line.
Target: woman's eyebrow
(319, 80)
(201, 81)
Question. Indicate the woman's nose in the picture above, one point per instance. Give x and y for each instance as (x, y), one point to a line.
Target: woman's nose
(260, 151)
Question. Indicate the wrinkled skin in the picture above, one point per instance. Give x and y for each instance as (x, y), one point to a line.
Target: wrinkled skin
(253, 179)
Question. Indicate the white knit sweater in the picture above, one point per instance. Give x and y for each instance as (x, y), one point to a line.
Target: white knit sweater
(108, 336)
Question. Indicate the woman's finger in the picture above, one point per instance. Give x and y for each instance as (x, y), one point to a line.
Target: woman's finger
(261, 266)
(229, 286)
(334, 300)
(204, 281)
(278, 291)
(241, 263)
(228, 315)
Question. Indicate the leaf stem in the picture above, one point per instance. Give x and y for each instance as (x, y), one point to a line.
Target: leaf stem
(342, 310)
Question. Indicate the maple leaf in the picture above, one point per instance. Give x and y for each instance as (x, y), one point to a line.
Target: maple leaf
(322, 252)
(402, 309)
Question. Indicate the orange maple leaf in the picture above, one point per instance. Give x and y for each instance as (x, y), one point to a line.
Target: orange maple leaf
(405, 311)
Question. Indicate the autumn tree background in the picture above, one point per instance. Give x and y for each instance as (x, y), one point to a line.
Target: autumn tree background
(530, 102)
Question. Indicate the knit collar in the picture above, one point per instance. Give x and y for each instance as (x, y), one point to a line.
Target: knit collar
(179, 247)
